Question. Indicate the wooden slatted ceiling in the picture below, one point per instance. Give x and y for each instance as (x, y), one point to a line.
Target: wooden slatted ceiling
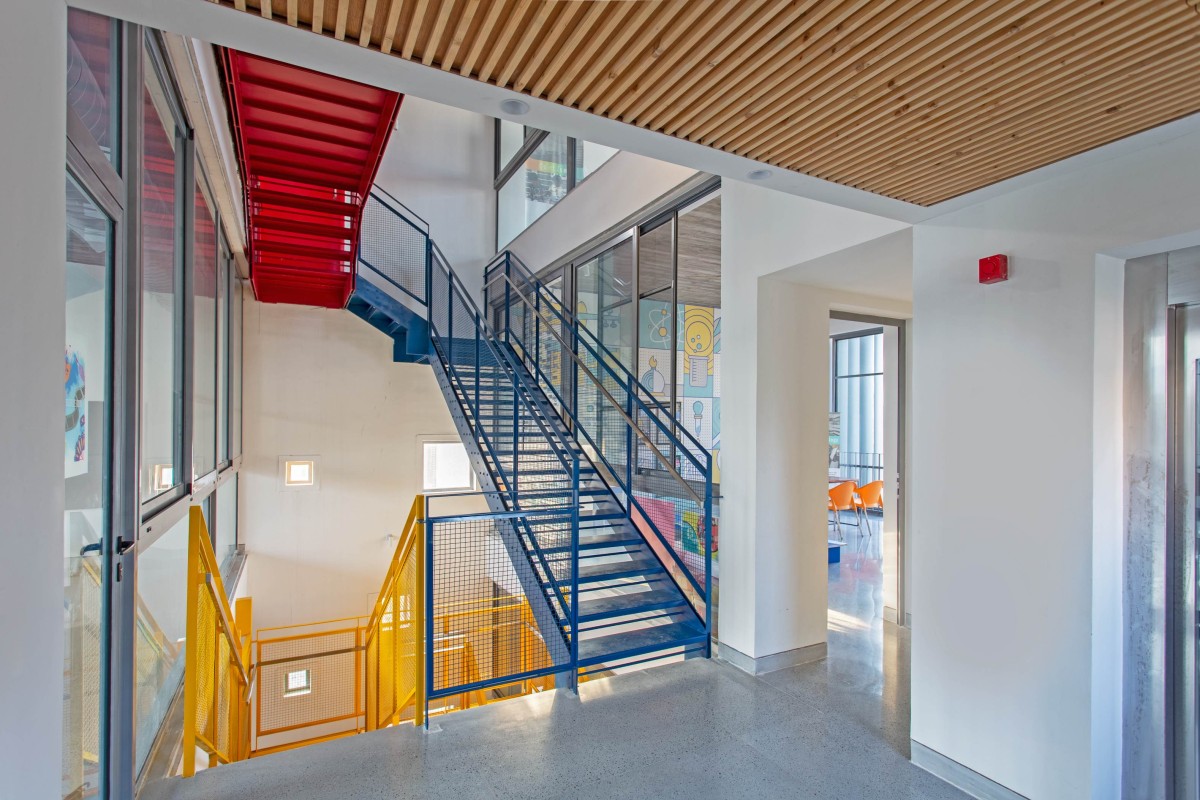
(920, 100)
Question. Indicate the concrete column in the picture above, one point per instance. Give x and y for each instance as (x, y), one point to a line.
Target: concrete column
(32, 331)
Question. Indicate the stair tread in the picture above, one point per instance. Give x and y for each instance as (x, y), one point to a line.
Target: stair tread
(643, 640)
(628, 603)
(616, 569)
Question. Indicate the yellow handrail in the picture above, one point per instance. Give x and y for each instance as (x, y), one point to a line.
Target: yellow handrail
(395, 632)
(217, 682)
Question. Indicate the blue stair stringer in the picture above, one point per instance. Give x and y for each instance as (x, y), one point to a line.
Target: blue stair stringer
(630, 604)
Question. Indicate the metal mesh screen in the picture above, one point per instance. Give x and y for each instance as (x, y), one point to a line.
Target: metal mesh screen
(393, 247)
(487, 631)
(393, 648)
(308, 680)
(206, 656)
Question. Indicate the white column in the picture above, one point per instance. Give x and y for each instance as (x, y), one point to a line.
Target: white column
(32, 324)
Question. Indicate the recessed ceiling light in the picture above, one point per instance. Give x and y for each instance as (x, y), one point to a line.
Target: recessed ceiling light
(514, 107)
(758, 174)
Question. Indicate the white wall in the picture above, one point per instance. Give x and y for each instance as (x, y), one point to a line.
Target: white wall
(32, 325)
(775, 342)
(622, 186)
(439, 162)
(1013, 379)
(322, 383)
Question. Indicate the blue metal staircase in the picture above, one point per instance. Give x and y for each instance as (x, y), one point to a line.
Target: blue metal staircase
(606, 485)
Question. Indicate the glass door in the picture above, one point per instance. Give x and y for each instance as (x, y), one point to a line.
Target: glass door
(87, 361)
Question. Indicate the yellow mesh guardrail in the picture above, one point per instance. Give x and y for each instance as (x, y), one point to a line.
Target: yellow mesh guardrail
(394, 636)
(216, 688)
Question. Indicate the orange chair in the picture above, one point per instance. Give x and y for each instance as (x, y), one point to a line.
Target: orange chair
(841, 498)
(869, 496)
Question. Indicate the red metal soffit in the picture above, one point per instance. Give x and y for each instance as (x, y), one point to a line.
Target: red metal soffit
(309, 146)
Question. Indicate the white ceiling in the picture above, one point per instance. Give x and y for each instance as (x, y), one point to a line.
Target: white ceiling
(880, 267)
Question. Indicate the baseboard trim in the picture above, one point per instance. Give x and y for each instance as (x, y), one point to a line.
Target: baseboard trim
(965, 778)
(773, 662)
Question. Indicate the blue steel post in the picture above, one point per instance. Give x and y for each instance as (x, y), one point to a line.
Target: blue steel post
(516, 442)
(629, 445)
(575, 572)
(708, 545)
(428, 589)
(507, 300)
(475, 412)
(429, 280)
(537, 329)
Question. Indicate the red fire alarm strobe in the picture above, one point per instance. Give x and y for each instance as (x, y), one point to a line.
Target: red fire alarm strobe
(993, 269)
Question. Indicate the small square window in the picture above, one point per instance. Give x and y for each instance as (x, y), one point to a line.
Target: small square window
(298, 472)
(448, 468)
(297, 682)
(164, 477)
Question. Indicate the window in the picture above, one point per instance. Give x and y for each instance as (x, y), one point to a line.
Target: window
(448, 468)
(162, 292)
(299, 472)
(857, 395)
(534, 170)
(93, 80)
(204, 357)
(297, 682)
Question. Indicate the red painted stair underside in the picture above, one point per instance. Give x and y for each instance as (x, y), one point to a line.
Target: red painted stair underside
(309, 146)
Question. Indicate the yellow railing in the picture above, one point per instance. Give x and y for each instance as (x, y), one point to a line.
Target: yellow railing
(217, 679)
(394, 638)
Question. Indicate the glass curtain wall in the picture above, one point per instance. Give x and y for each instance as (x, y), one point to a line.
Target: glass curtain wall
(179, 281)
(534, 170)
(652, 296)
(857, 395)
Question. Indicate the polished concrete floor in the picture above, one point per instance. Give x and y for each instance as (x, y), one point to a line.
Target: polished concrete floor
(700, 729)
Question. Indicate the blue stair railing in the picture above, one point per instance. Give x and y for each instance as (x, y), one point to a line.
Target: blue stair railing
(612, 553)
(663, 472)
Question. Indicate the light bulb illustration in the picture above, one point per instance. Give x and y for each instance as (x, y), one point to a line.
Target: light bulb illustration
(698, 410)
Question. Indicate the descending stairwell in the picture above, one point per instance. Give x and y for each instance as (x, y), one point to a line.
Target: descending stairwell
(601, 563)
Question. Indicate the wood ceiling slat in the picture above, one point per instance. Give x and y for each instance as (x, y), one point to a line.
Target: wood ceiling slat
(916, 99)
(508, 27)
(368, 22)
(343, 12)
(569, 48)
(459, 33)
(695, 106)
(481, 38)
(1093, 18)
(620, 52)
(668, 72)
(863, 64)
(948, 125)
(542, 13)
(841, 20)
(414, 27)
(611, 49)
(613, 18)
(551, 43)
(1017, 159)
(390, 23)
(672, 41)
(1063, 110)
(729, 57)
(439, 27)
